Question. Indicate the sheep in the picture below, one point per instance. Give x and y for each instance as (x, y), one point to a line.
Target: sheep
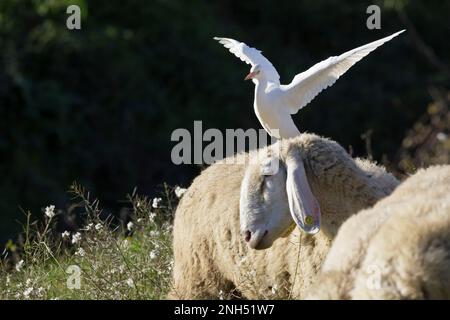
(211, 257)
(399, 249)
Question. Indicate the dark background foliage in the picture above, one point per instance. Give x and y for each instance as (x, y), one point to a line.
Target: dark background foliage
(98, 105)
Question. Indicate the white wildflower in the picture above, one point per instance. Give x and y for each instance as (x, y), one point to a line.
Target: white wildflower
(179, 191)
(154, 233)
(76, 238)
(40, 292)
(89, 226)
(130, 282)
(441, 136)
(65, 234)
(156, 202)
(167, 227)
(125, 244)
(130, 226)
(50, 211)
(80, 252)
(153, 254)
(27, 292)
(152, 216)
(139, 220)
(98, 226)
(19, 265)
(28, 282)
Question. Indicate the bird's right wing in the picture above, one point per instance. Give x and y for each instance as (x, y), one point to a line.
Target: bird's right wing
(251, 56)
(307, 85)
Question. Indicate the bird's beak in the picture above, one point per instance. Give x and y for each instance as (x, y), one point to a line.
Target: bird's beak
(250, 76)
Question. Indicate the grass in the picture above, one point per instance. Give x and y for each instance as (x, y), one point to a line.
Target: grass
(118, 260)
(103, 259)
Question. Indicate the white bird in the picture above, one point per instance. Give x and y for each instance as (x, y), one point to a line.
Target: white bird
(275, 103)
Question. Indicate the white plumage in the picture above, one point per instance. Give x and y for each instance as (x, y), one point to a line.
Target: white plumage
(274, 103)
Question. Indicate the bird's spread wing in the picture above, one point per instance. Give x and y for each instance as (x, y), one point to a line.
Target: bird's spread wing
(251, 56)
(307, 85)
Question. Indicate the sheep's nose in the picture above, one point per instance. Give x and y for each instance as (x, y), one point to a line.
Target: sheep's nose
(247, 236)
(255, 239)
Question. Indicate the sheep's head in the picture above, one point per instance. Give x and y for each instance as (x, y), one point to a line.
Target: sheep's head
(271, 202)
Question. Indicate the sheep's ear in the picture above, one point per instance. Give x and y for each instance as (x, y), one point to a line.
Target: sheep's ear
(303, 205)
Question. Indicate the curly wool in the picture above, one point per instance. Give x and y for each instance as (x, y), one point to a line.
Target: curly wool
(210, 254)
(399, 249)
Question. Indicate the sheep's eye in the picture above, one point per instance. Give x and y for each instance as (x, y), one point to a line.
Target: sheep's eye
(268, 188)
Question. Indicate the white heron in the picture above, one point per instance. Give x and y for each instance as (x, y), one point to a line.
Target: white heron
(274, 103)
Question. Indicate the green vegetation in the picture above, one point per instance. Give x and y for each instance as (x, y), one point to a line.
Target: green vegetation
(98, 105)
(133, 261)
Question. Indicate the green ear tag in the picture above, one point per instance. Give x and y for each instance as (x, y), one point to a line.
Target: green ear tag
(309, 220)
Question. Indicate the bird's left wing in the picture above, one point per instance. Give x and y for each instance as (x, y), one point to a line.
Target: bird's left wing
(307, 85)
(250, 56)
